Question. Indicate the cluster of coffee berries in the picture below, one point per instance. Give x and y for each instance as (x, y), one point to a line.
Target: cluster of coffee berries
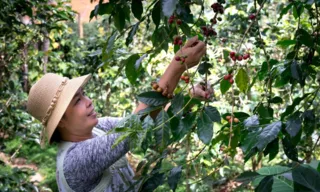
(232, 119)
(172, 18)
(182, 59)
(229, 78)
(236, 56)
(208, 31)
(177, 40)
(217, 8)
(158, 89)
(185, 78)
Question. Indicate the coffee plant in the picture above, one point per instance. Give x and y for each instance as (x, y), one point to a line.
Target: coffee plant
(262, 60)
(260, 129)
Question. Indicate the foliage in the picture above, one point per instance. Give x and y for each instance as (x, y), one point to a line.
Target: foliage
(191, 145)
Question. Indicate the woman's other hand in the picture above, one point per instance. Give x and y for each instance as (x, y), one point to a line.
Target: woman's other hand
(202, 92)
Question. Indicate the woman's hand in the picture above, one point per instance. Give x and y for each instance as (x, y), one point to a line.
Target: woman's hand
(202, 92)
(194, 49)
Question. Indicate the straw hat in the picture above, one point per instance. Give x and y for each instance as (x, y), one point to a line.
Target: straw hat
(49, 98)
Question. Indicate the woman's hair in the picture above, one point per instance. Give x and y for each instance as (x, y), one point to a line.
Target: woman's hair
(55, 138)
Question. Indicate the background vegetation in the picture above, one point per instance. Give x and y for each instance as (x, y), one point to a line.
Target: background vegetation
(275, 94)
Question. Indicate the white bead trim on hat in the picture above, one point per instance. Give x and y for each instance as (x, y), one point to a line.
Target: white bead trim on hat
(54, 101)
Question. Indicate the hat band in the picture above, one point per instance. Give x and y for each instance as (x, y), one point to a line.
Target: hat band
(54, 102)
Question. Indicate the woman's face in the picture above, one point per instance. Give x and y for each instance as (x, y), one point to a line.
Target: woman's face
(80, 117)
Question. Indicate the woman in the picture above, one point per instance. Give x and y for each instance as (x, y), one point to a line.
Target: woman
(85, 160)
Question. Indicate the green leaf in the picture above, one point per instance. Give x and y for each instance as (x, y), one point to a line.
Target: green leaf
(251, 153)
(290, 108)
(156, 14)
(213, 114)
(247, 176)
(148, 110)
(272, 149)
(276, 99)
(268, 134)
(105, 8)
(296, 72)
(148, 122)
(111, 40)
(185, 29)
(120, 139)
(265, 184)
(252, 121)
(242, 80)
(289, 149)
(204, 68)
(184, 126)
(281, 184)
(204, 128)
(265, 68)
(307, 176)
(285, 10)
(265, 113)
(304, 37)
(152, 98)
(132, 72)
(162, 134)
(273, 170)
(147, 125)
(177, 103)
(174, 177)
(318, 169)
(153, 182)
(309, 121)
(297, 10)
(160, 38)
(293, 125)
(286, 43)
(137, 8)
(250, 140)
(119, 19)
(132, 33)
(224, 86)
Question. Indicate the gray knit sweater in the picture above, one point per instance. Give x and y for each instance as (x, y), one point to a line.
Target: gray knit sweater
(86, 161)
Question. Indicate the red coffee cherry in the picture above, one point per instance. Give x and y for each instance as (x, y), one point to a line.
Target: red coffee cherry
(239, 58)
(177, 58)
(232, 54)
(213, 21)
(226, 77)
(179, 22)
(246, 56)
(252, 16)
(231, 81)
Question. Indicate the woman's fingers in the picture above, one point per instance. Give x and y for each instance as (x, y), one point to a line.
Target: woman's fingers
(200, 46)
(201, 92)
(191, 42)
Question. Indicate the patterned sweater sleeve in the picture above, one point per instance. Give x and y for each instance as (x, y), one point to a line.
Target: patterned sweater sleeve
(85, 161)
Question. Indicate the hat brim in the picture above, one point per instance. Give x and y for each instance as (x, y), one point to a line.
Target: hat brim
(63, 102)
